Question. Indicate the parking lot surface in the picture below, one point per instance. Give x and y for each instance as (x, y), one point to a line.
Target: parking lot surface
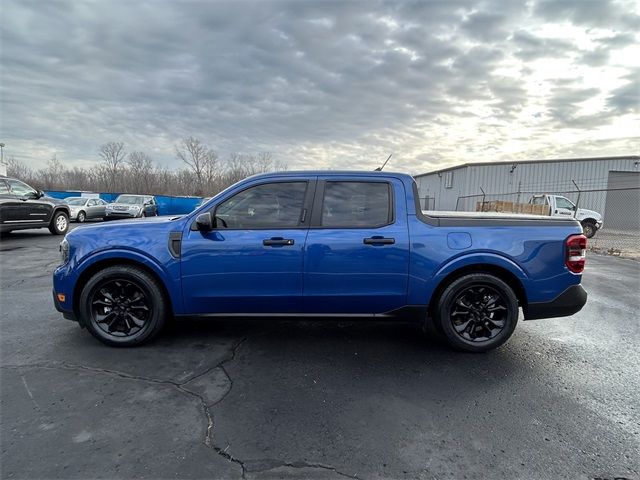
(263, 399)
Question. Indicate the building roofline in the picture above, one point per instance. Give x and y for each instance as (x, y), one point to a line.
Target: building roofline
(519, 162)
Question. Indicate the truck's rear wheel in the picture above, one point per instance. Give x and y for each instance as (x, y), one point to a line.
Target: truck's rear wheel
(477, 312)
(589, 229)
(123, 306)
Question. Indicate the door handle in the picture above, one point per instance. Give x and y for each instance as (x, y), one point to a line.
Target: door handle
(378, 241)
(277, 241)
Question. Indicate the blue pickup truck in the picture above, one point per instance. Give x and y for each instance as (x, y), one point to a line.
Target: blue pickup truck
(323, 244)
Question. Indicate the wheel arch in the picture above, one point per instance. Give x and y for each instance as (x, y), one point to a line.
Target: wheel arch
(103, 263)
(57, 208)
(492, 269)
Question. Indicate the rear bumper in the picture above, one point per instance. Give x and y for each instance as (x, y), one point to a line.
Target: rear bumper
(567, 303)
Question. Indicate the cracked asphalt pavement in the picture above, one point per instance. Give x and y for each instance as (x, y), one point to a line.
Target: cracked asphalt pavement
(279, 399)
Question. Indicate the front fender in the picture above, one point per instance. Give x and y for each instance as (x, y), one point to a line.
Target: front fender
(168, 274)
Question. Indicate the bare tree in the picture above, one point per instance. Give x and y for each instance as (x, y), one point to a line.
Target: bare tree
(141, 172)
(53, 174)
(200, 159)
(137, 173)
(17, 169)
(112, 154)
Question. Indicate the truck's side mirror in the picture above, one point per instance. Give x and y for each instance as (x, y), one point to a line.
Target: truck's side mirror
(39, 194)
(204, 222)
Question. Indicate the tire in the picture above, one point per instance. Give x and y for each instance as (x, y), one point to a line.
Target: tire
(589, 229)
(490, 319)
(107, 308)
(81, 217)
(59, 223)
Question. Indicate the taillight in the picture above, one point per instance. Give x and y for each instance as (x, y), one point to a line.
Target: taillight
(576, 246)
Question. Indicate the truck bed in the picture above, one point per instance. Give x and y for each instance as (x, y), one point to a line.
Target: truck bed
(474, 218)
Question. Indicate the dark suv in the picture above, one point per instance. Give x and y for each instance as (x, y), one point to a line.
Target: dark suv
(23, 207)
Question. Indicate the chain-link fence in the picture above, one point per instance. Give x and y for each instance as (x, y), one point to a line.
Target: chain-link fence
(616, 199)
(428, 203)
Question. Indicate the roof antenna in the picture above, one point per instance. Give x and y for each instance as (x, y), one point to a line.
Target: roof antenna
(379, 169)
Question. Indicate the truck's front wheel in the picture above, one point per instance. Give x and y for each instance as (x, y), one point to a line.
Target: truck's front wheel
(477, 312)
(589, 229)
(123, 306)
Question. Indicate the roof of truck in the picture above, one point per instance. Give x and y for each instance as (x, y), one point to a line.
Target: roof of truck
(362, 173)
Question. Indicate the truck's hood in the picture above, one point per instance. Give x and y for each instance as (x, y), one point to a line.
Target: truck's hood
(121, 227)
(584, 213)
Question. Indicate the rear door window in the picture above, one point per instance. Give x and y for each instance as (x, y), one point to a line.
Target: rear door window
(356, 205)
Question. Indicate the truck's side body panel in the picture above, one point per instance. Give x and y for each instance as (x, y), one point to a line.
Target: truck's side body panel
(327, 269)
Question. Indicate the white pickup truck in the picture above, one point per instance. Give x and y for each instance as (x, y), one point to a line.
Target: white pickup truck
(563, 207)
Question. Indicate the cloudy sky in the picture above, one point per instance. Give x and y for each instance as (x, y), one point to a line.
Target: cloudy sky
(322, 84)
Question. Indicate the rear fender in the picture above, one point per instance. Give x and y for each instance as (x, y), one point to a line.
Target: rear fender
(468, 262)
(478, 258)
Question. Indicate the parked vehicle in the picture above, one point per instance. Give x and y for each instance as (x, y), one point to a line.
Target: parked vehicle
(83, 208)
(132, 206)
(23, 207)
(323, 244)
(203, 201)
(563, 207)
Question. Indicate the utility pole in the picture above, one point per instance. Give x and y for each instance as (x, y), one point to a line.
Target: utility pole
(3, 168)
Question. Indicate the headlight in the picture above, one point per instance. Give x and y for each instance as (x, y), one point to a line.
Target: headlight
(64, 251)
(109, 207)
(134, 208)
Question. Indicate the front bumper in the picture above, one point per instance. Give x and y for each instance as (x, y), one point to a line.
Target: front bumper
(122, 214)
(567, 303)
(69, 315)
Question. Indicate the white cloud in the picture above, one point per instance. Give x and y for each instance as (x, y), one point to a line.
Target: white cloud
(321, 84)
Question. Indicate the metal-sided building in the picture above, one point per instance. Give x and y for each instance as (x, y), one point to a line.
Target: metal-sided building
(461, 187)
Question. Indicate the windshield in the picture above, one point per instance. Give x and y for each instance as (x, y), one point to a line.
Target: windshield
(75, 201)
(130, 199)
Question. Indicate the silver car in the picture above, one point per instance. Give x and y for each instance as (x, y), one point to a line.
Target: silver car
(132, 206)
(82, 208)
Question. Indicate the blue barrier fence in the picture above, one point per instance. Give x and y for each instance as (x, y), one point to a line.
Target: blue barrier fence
(167, 205)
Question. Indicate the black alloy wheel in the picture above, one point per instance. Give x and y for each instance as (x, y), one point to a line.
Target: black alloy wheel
(120, 308)
(123, 306)
(477, 312)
